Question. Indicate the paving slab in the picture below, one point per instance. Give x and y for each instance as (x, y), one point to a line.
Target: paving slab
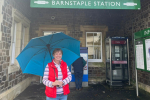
(93, 92)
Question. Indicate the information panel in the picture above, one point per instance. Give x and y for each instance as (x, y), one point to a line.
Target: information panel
(139, 56)
(147, 50)
(85, 56)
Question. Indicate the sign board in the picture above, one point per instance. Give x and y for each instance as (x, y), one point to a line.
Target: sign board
(142, 43)
(139, 55)
(85, 57)
(142, 33)
(147, 51)
(87, 4)
(142, 37)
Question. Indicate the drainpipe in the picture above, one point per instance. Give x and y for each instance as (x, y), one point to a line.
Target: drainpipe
(136, 76)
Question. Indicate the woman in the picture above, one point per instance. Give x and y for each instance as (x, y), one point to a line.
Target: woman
(56, 78)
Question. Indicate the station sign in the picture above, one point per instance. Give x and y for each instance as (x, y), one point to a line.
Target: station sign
(142, 49)
(87, 4)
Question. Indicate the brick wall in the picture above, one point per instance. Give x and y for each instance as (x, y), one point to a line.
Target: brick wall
(23, 6)
(7, 81)
(96, 74)
(132, 22)
(73, 18)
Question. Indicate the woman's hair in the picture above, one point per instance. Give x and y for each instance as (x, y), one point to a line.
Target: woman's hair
(57, 50)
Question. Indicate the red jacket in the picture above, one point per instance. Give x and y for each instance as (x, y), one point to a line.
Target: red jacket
(51, 92)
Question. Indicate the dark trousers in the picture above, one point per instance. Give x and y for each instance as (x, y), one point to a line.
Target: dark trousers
(78, 79)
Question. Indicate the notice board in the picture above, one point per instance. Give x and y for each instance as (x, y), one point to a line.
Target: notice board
(139, 55)
(142, 50)
(147, 51)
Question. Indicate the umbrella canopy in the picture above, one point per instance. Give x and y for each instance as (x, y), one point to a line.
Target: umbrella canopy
(38, 52)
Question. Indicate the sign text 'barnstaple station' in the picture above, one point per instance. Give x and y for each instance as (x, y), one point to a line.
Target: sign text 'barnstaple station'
(87, 4)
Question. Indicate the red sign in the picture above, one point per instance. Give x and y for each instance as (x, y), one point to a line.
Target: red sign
(118, 42)
(119, 62)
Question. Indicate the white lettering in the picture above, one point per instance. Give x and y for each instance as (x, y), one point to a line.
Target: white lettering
(102, 3)
(118, 3)
(70, 2)
(112, 3)
(89, 3)
(146, 32)
(105, 3)
(62, 2)
(78, 3)
(57, 3)
(82, 2)
(74, 2)
(109, 3)
(66, 3)
(98, 3)
(53, 2)
(94, 3)
(85, 3)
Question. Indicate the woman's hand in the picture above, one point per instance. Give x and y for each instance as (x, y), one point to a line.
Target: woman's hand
(57, 83)
(60, 83)
(54, 84)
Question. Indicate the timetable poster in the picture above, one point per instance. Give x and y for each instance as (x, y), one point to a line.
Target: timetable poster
(139, 56)
(85, 57)
(147, 50)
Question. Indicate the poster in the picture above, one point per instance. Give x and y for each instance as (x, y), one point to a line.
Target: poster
(85, 57)
(115, 72)
(117, 55)
(139, 56)
(147, 50)
(116, 48)
(72, 70)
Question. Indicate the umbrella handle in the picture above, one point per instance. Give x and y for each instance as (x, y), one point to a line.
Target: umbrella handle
(56, 77)
(55, 74)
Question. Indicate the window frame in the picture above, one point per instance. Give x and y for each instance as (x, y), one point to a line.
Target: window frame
(13, 43)
(95, 60)
(52, 32)
(20, 21)
(23, 37)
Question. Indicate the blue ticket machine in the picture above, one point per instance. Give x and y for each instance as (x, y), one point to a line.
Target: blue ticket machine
(84, 54)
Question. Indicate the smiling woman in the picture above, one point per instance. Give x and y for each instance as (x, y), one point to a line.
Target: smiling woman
(56, 78)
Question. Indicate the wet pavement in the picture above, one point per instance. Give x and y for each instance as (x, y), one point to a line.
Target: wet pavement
(93, 92)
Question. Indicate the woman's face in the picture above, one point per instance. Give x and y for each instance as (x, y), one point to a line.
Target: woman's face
(57, 55)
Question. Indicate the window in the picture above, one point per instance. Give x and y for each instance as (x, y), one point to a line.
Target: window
(50, 32)
(94, 44)
(20, 38)
(13, 43)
